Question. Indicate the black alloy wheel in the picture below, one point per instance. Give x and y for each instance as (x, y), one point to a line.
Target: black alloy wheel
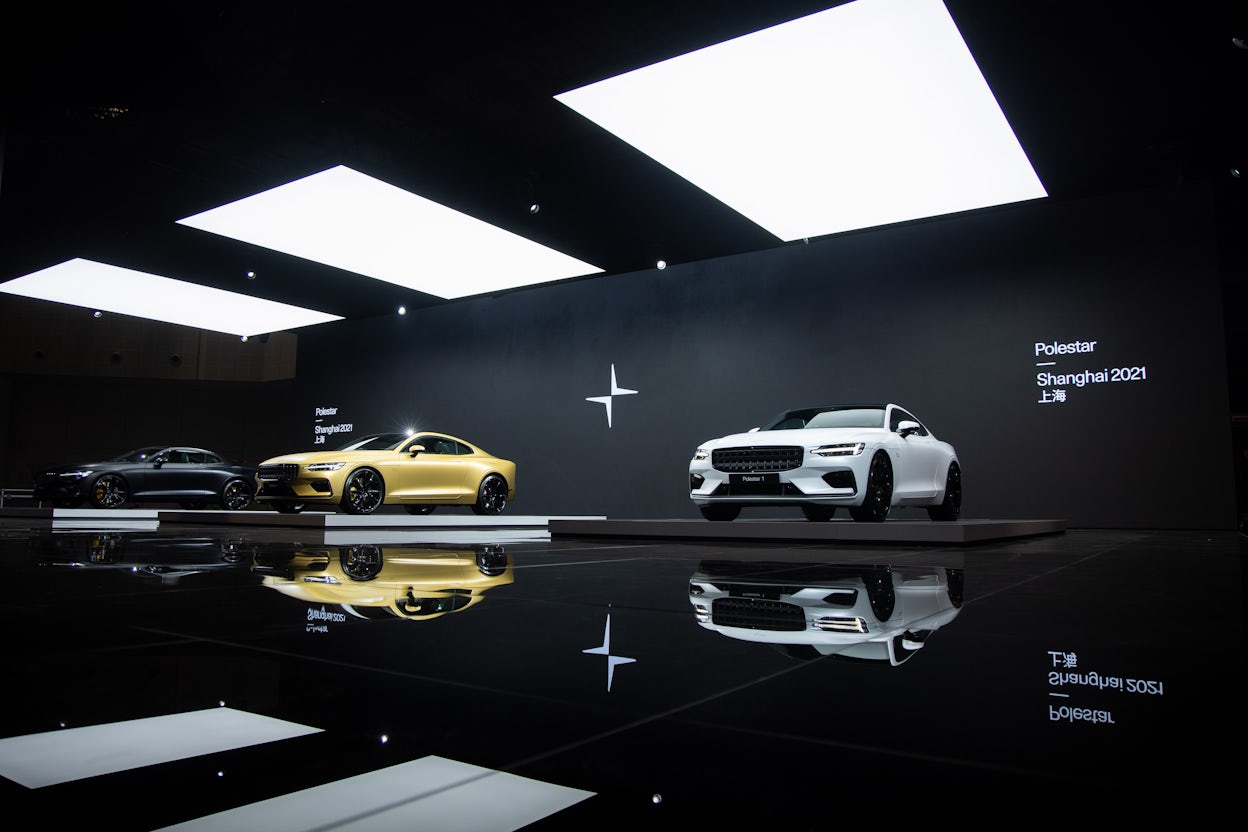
(420, 508)
(723, 514)
(956, 579)
(109, 491)
(878, 495)
(491, 496)
(236, 495)
(364, 492)
(881, 593)
(951, 507)
(362, 562)
(819, 514)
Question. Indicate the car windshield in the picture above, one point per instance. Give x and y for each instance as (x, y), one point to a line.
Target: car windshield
(376, 442)
(139, 454)
(850, 416)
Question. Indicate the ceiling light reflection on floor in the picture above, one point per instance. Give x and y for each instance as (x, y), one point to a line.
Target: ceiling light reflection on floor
(346, 219)
(99, 286)
(869, 113)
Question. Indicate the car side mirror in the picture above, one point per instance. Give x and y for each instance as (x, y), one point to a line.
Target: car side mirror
(907, 427)
(159, 461)
(415, 449)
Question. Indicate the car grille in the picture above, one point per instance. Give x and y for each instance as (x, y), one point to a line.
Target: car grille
(273, 473)
(754, 459)
(758, 614)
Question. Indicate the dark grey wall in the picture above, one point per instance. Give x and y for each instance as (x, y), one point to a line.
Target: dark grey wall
(55, 419)
(941, 317)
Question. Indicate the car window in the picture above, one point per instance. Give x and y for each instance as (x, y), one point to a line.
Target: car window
(211, 459)
(848, 417)
(377, 442)
(898, 416)
(437, 444)
(139, 454)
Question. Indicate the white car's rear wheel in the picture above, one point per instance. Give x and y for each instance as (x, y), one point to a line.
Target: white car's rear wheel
(951, 507)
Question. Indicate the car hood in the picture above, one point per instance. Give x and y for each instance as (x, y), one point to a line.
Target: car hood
(327, 456)
(803, 436)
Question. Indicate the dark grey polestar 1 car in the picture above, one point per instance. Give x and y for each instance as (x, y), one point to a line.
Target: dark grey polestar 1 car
(191, 477)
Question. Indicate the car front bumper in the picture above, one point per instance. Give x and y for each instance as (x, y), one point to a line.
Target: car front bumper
(815, 480)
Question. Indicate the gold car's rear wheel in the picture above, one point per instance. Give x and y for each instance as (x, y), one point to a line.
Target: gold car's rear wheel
(491, 496)
(364, 492)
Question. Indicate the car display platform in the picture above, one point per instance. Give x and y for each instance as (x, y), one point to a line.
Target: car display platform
(272, 519)
(833, 531)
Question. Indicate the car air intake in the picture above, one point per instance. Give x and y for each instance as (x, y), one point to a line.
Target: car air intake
(275, 473)
(758, 614)
(755, 459)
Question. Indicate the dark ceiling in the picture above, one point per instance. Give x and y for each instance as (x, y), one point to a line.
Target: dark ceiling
(118, 121)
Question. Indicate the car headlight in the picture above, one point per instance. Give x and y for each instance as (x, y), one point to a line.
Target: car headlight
(701, 453)
(76, 475)
(324, 466)
(842, 449)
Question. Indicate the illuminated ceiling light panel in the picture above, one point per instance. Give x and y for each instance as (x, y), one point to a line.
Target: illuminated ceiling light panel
(346, 219)
(108, 288)
(869, 113)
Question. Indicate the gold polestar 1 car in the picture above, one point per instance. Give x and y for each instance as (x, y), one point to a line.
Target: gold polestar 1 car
(418, 471)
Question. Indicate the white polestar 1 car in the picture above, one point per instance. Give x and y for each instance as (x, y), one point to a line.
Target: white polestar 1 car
(866, 457)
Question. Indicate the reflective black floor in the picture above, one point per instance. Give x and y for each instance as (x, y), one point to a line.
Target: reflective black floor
(667, 684)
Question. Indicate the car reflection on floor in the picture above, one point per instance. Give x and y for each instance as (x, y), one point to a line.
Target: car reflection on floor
(371, 581)
(859, 612)
(168, 559)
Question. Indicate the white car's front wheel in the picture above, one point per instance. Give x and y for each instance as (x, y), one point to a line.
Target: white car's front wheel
(878, 496)
(818, 514)
(720, 513)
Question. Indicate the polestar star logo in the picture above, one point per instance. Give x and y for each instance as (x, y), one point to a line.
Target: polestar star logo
(605, 650)
(616, 390)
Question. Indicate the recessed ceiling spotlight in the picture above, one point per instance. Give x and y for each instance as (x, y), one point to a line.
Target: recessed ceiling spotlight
(251, 275)
(97, 313)
(242, 337)
(662, 264)
(534, 208)
(402, 310)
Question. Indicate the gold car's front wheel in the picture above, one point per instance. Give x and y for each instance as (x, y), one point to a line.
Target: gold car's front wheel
(364, 492)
